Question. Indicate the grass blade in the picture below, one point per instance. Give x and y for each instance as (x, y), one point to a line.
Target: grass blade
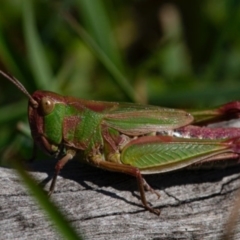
(38, 61)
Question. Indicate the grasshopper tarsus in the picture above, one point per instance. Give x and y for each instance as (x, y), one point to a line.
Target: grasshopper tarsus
(52, 186)
(49, 193)
(153, 210)
(157, 212)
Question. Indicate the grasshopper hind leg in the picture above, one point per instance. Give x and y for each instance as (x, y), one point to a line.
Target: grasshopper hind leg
(225, 112)
(150, 189)
(133, 171)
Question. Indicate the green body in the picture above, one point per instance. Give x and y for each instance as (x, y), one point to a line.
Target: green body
(125, 134)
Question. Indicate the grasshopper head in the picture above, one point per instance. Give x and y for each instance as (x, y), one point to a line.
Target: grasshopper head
(45, 117)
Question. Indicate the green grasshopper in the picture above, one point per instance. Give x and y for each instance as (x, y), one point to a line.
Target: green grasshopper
(130, 138)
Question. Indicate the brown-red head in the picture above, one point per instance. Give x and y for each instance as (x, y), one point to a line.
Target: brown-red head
(42, 107)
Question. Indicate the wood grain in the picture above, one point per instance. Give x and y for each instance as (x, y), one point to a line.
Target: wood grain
(195, 204)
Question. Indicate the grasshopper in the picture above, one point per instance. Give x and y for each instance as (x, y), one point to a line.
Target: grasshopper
(130, 138)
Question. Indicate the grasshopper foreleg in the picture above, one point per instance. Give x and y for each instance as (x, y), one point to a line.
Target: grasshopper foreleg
(60, 164)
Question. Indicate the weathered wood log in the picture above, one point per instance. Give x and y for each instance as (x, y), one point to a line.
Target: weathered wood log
(195, 204)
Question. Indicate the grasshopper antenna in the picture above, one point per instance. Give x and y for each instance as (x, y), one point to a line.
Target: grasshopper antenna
(20, 87)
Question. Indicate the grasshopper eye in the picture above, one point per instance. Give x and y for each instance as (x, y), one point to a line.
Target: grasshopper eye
(47, 105)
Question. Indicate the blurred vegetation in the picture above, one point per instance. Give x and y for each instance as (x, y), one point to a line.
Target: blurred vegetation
(170, 53)
(183, 54)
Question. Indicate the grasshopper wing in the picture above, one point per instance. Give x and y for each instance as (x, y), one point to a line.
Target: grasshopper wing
(136, 119)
